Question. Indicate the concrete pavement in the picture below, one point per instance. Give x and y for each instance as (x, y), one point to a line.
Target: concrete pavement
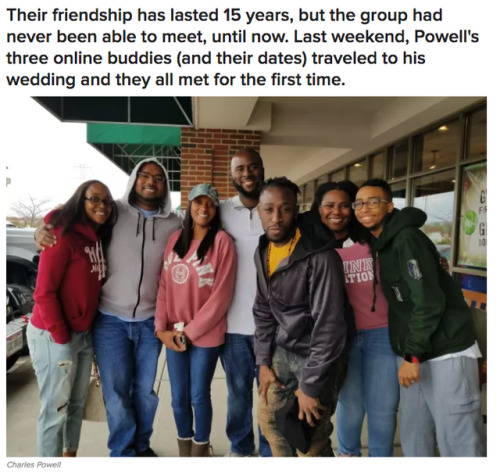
(23, 407)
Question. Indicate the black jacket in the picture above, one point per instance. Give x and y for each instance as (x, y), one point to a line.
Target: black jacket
(303, 307)
(428, 316)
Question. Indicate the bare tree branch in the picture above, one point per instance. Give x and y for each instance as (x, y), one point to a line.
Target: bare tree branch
(32, 209)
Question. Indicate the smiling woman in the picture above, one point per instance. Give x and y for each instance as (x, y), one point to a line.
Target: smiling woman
(59, 335)
(196, 288)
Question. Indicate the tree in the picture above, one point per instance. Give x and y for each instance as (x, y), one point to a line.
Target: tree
(31, 210)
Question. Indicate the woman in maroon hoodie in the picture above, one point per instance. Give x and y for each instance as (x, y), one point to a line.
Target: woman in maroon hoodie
(70, 275)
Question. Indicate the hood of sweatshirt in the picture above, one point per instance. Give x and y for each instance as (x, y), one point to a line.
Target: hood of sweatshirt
(396, 221)
(94, 250)
(165, 206)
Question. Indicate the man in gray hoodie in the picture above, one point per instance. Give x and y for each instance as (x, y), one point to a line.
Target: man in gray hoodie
(124, 341)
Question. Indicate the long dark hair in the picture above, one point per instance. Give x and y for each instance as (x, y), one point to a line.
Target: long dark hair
(186, 237)
(73, 212)
(355, 230)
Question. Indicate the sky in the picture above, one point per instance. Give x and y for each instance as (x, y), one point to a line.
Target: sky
(46, 158)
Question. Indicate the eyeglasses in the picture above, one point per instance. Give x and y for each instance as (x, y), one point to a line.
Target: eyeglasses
(157, 177)
(94, 200)
(371, 203)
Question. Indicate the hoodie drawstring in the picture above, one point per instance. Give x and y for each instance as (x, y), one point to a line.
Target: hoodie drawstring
(138, 225)
(138, 221)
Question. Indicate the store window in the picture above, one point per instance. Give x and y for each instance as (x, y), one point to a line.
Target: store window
(476, 142)
(378, 166)
(398, 160)
(436, 149)
(321, 180)
(300, 197)
(337, 176)
(358, 172)
(434, 194)
(308, 196)
(399, 194)
(472, 230)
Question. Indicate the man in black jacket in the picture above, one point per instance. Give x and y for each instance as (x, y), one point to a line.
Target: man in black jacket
(431, 329)
(301, 330)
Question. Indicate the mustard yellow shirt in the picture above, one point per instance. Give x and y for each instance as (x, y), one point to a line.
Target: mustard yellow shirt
(275, 254)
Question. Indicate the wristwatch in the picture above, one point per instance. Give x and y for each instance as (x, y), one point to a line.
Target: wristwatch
(410, 358)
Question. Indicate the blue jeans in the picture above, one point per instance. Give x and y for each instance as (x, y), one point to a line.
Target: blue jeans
(190, 373)
(238, 361)
(63, 374)
(127, 357)
(371, 387)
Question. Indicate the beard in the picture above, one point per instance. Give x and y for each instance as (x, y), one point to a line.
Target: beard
(136, 198)
(253, 194)
(286, 237)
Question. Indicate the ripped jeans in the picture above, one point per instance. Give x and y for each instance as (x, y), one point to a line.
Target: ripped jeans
(288, 368)
(63, 374)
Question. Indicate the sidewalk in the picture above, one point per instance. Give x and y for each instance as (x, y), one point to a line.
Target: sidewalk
(23, 407)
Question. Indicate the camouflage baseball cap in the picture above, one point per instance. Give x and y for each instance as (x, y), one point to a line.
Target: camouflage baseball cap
(204, 189)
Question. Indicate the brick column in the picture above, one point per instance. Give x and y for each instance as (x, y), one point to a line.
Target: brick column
(205, 157)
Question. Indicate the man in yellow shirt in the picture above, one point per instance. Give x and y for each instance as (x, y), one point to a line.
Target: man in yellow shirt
(301, 329)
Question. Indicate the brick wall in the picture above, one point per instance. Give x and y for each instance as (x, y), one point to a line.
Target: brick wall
(205, 157)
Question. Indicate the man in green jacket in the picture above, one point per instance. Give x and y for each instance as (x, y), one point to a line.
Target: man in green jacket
(431, 330)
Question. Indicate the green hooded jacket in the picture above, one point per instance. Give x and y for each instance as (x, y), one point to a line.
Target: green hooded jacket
(428, 316)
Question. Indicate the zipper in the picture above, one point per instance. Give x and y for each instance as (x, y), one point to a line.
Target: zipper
(142, 266)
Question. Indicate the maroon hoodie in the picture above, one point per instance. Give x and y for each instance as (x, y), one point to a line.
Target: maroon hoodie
(68, 284)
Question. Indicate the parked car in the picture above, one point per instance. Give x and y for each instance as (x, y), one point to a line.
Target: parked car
(22, 267)
(21, 243)
(18, 311)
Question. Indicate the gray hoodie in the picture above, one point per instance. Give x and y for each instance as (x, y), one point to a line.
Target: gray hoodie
(135, 256)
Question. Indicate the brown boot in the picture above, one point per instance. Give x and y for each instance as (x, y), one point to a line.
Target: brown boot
(69, 454)
(200, 449)
(185, 446)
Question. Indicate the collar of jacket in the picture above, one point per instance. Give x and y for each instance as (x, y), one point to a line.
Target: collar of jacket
(304, 248)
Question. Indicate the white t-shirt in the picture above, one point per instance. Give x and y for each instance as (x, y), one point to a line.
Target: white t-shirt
(245, 227)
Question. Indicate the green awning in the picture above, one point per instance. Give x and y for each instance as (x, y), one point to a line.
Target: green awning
(176, 111)
(126, 145)
(133, 134)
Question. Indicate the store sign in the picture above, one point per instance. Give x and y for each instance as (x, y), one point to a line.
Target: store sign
(473, 230)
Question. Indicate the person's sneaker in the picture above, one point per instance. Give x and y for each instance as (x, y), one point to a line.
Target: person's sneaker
(147, 453)
(234, 454)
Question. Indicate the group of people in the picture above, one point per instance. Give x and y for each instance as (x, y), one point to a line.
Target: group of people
(343, 307)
